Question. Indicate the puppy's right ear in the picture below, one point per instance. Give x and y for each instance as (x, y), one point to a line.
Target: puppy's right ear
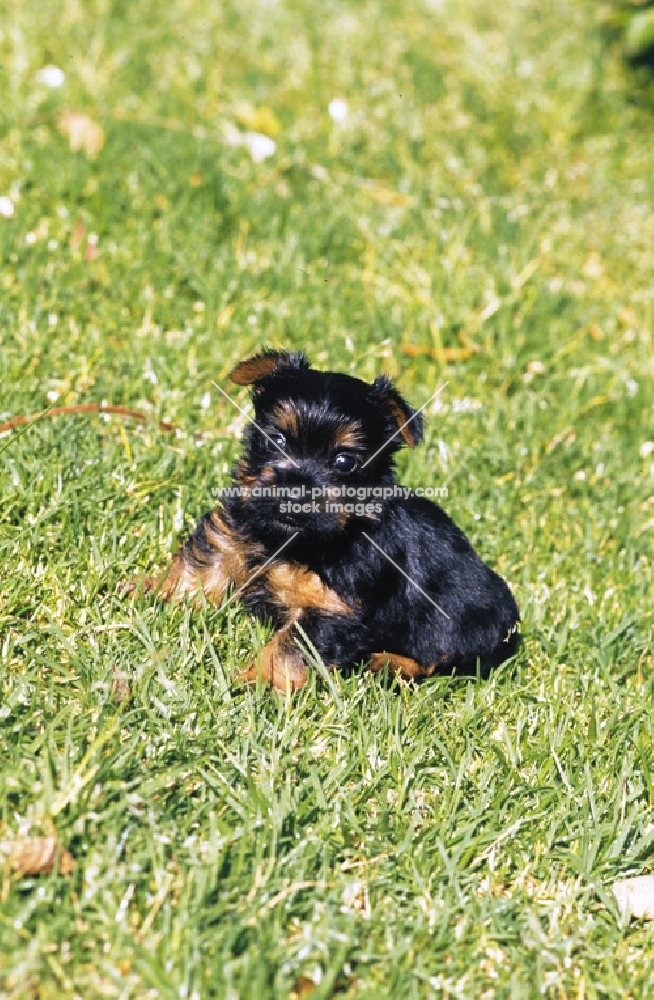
(254, 369)
(407, 421)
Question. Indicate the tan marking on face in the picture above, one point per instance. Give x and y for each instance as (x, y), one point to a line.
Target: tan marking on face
(349, 436)
(287, 418)
(296, 587)
(264, 476)
(242, 472)
(342, 519)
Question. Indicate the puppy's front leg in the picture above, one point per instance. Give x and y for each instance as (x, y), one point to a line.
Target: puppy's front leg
(210, 560)
(296, 594)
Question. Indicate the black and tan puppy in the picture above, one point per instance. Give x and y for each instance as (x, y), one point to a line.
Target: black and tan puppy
(320, 536)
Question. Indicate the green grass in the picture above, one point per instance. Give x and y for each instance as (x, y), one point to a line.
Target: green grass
(492, 185)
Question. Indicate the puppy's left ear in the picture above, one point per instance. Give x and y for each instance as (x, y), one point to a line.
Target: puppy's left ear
(253, 370)
(407, 421)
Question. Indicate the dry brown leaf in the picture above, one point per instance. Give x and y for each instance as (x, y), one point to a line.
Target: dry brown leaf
(303, 987)
(119, 685)
(77, 235)
(36, 856)
(91, 252)
(82, 132)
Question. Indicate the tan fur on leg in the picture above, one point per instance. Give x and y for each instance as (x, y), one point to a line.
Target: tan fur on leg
(297, 588)
(209, 561)
(403, 666)
(280, 663)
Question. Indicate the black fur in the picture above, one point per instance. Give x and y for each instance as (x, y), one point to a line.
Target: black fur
(476, 622)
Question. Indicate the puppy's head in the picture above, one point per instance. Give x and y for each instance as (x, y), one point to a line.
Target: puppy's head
(320, 444)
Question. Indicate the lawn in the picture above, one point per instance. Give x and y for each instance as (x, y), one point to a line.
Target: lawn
(174, 194)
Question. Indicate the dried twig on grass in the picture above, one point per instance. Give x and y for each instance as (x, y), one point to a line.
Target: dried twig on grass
(56, 411)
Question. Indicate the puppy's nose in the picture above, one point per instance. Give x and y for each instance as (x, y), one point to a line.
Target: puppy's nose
(304, 473)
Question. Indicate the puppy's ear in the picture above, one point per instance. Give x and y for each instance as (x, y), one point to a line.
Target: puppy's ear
(407, 421)
(251, 371)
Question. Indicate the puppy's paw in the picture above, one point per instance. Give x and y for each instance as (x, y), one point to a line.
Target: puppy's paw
(176, 582)
(160, 585)
(133, 588)
(399, 666)
(126, 588)
(280, 664)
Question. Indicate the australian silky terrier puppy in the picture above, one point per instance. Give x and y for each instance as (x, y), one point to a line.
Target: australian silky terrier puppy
(317, 533)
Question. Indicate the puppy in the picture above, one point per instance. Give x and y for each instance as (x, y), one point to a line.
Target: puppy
(317, 534)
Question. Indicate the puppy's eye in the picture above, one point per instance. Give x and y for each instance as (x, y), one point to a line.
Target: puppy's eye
(343, 462)
(276, 438)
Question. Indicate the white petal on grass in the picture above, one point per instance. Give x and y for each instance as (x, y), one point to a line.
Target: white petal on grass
(338, 110)
(6, 207)
(260, 146)
(149, 372)
(205, 402)
(635, 896)
(51, 76)
(232, 135)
